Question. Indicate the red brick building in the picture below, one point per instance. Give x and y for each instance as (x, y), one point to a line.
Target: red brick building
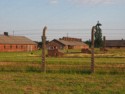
(67, 43)
(16, 43)
(115, 43)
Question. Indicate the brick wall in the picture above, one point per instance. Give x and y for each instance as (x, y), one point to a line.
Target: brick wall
(17, 48)
(80, 47)
(54, 44)
(54, 53)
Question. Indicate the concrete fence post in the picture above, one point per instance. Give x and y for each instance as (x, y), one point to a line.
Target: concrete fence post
(92, 50)
(43, 65)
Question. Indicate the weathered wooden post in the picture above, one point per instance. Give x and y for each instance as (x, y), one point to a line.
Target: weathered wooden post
(92, 49)
(43, 65)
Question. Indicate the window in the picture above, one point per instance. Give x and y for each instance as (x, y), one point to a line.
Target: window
(35, 47)
(21, 46)
(10, 46)
(16, 46)
(4, 46)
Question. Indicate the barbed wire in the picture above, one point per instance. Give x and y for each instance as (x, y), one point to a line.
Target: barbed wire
(55, 33)
(64, 29)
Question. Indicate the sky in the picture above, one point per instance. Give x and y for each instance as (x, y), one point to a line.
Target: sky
(72, 18)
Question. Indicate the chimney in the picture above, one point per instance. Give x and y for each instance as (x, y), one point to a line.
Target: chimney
(6, 33)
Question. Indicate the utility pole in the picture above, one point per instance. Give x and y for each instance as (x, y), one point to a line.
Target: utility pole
(13, 32)
(43, 65)
(67, 35)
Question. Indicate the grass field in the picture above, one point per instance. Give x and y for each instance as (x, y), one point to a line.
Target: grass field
(20, 73)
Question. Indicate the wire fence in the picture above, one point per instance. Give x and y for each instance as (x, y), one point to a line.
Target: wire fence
(112, 61)
(32, 62)
(83, 33)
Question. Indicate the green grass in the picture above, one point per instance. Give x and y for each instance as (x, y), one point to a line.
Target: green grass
(60, 83)
(20, 73)
(78, 62)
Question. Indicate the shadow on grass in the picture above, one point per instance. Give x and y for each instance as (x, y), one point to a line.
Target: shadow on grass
(70, 71)
(38, 70)
(64, 71)
(111, 72)
(13, 69)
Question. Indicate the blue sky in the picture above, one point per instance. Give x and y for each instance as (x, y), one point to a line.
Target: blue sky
(62, 17)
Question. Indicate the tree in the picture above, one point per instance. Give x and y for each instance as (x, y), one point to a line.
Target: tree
(88, 42)
(98, 36)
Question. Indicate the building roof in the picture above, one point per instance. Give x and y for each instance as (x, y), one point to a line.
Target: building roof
(71, 43)
(115, 43)
(4, 39)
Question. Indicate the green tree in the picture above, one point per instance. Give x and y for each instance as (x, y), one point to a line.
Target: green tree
(98, 36)
(88, 42)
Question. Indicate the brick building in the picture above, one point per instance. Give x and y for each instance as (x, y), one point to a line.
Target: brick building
(16, 43)
(115, 43)
(67, 43)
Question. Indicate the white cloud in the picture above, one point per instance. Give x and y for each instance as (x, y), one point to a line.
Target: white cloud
(93, 2)
(90, 2)
(53, 1)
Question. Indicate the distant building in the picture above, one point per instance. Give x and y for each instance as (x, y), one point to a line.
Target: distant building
(115, 43)
(67, 43)
(16, 43)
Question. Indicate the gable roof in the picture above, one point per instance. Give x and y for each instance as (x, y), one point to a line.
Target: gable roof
(115, 43)
(71, 43)
(15, 40)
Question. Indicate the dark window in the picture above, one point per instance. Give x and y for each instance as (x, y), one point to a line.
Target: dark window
(21, 46)
(16, 46)
(11, 46)
(34, 46)
(4, 47)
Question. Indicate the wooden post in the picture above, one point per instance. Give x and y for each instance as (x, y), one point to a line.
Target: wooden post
(92, 50)
(43, 65)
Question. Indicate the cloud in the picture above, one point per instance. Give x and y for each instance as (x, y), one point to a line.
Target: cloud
(53, 1)
(92, 2)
